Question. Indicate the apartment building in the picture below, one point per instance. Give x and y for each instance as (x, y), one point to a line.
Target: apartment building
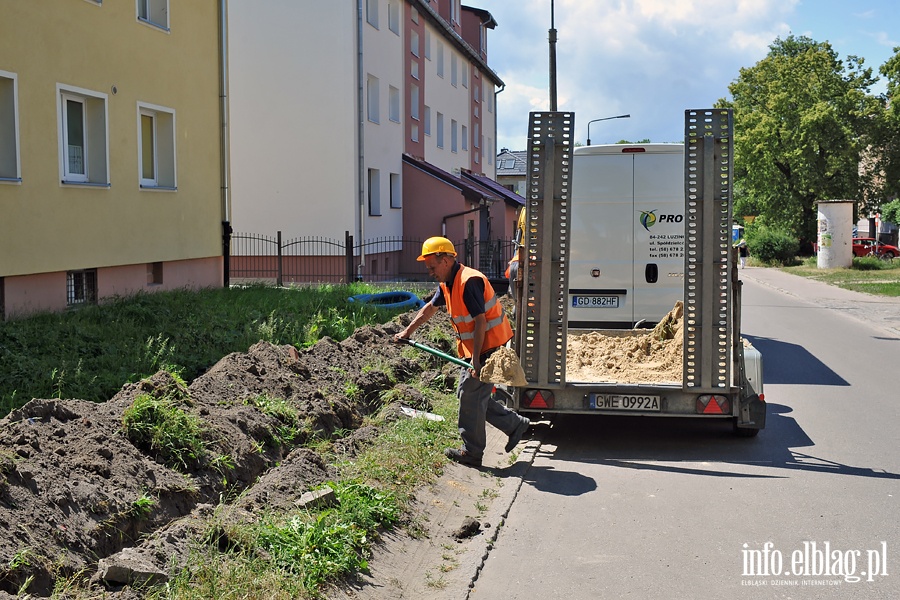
(111, 170)
(373, 117)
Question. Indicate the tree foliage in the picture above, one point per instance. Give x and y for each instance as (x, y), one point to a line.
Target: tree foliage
(802, 121)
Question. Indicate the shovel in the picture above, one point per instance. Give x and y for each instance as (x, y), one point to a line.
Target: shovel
(501, 367)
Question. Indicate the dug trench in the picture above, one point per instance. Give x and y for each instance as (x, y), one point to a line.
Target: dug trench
(71, 480)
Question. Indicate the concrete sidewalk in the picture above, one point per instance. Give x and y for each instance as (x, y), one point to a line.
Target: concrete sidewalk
(881, 312)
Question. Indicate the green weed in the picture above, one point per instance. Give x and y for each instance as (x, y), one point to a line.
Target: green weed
(161, 427)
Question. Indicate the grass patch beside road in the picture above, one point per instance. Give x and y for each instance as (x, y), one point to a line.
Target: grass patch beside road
(869, 275)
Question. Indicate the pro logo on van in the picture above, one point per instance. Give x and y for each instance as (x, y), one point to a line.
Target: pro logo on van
(648, 218)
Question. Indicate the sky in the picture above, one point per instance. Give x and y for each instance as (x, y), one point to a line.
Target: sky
(653, 59)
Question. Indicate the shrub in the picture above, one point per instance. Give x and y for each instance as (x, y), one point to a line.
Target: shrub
(773, 246)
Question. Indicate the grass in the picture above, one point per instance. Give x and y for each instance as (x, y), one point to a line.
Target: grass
(869, 275)
(286, 555)
(91, 352)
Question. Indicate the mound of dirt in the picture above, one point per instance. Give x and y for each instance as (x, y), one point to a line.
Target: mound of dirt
(73, 488)
(654, 356)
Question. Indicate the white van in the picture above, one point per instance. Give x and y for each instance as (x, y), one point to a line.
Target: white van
(626, 263)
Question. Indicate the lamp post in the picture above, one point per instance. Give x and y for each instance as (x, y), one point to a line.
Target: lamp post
(603, 119)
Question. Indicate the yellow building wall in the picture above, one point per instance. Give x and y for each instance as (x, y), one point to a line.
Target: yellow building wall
(46, 226)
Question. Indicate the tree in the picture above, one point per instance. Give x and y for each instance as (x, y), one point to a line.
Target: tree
(885, 155)
(802, 119)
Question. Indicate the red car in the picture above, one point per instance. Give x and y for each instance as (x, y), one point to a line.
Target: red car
(867, 246)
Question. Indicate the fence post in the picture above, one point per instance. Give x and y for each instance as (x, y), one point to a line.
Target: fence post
(226, 253)
(348, 255)
(278, 278)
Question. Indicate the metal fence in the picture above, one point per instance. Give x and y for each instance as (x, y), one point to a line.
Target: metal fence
(313, 259)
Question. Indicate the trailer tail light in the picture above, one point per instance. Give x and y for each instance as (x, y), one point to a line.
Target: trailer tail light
(713, 405)
(629, 149)
(538, 399)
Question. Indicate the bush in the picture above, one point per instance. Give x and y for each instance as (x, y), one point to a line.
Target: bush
(773, 246)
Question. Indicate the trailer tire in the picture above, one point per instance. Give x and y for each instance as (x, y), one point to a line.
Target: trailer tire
(744, 432)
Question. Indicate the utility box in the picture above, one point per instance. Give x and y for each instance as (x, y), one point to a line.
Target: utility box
(835, 234)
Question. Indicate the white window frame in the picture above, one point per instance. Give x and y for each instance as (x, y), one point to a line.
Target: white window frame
(154, 12)
(372, 13)
(394, 16)
(373, 105)
(414, 43)
(396, 197)
(393, 104)
(10, 152)
(439, 125)
(95, 153)
(414, 101)
(374, 192)
(163, 147)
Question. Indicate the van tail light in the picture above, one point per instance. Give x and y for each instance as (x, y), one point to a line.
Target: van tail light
(538, 399)
(713, 404)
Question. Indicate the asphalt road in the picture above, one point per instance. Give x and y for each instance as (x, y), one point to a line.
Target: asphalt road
(672, 508)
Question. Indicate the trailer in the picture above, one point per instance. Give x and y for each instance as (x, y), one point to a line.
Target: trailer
(721, 374)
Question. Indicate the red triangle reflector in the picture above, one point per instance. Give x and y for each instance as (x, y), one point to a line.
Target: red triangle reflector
(538, 401)
(712, 408)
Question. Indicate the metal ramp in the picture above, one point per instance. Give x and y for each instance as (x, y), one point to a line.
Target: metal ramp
(542, 319)
(708, 161)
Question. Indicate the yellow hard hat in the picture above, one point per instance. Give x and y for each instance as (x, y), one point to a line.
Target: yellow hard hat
(434, 245)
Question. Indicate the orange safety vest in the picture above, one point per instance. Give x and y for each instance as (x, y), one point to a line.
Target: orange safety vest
(498, 330)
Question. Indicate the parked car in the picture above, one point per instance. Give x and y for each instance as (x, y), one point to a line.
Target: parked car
(868, 246)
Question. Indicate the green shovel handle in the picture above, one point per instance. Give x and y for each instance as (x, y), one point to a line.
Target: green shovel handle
(436, 352)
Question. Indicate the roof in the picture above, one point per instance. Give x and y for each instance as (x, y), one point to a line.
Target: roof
(508, 196)
(471, 190)
(512, 163)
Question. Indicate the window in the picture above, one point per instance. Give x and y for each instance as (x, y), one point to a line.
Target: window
(154, 12)
(414, 133)
(440, 59)
(81, 287)
(427, 44)
(396, 200)
(454, 70)
(83, 136)
(394, 104)
(440, 130)
(427, 120)
(156, 146)
(476, 94)
(414, 101)
(454, 11)
(374, 193)
(414, 15)
(154, 273)
(10, 169)
(464, 135)
(372, 13)
(414, 44)
(414, 69)
(394, 16)
(475, 136)
(453, 135)
(488, 153)
(489, 99)
(372, 99)
(464, 75)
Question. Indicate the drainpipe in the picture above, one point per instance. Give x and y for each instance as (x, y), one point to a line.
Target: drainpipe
(361, 97)
(496, 113)
(225, 139)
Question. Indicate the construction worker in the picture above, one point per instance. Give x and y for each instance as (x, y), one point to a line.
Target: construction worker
(482, 328)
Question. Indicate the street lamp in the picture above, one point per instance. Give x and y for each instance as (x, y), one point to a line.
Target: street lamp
(603, 119)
